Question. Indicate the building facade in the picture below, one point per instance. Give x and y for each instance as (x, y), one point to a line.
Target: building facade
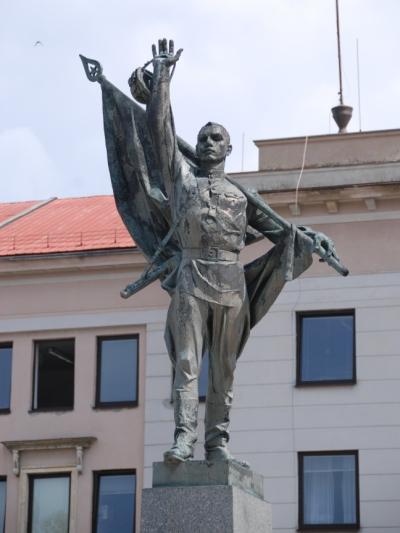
(85, 380)
(73, 359)
(316, 395)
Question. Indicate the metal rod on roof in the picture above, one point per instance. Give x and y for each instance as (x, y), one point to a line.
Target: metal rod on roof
(26, 211)
(341, 113)
(339, 53)
(358, 86)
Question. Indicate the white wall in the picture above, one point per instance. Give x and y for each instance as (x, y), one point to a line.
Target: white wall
(272, 419)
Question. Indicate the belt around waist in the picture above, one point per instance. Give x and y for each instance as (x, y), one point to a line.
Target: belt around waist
(210, 254)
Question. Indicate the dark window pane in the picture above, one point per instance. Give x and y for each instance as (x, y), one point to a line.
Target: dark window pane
(54, 374)
(329, 488)
(327, 348)
(118, 379)
(5, 376)
(50, 505)
(2, 505)
(203, 378)
(116, 503)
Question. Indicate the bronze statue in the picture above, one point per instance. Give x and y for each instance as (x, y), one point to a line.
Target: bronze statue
(191, 222)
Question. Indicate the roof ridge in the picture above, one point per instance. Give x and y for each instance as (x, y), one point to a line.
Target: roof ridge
(27, 211)
(86, 197)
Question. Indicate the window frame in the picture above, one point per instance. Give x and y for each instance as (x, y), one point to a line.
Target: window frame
(7, 410)
(299, 337)
(35, 355)
(31, 478)
(301, 525)
(4, 478)
(125, 403)
(96, 486)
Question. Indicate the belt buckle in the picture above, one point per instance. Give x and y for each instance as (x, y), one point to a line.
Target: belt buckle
(212, 253)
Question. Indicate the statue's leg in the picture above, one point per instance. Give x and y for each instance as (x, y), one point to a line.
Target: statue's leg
(184, 335)
(230, 329)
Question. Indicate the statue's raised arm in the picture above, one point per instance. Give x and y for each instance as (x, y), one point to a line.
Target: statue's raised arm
(159, 114)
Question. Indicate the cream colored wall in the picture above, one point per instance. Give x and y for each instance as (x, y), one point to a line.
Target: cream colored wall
(364, 247)
(330, 150)
(49, 299)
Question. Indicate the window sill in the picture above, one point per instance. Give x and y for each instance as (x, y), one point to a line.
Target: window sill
(328, 383)
(5, 411)
(51, 410)
(330, 527)
(115, 406)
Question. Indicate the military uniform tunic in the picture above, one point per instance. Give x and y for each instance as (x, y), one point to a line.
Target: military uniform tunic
(211, 231)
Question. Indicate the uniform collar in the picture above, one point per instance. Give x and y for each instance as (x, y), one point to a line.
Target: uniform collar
(210, 174)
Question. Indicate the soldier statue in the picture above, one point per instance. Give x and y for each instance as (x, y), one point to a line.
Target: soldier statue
(191, 222)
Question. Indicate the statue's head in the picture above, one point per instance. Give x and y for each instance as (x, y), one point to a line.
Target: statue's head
(213, 144)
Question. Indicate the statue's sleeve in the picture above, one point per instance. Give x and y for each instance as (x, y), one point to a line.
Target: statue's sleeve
(264, 224)
(162, 128)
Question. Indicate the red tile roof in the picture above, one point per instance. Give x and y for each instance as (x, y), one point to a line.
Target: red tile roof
(10, 210)
(65, 225)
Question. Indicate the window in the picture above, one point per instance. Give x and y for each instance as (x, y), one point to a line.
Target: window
(117, 371)
(326, 347)
(114, 503)
(2, 504)
(53, 387)
(5, 378)
(49, 497)
(203, 378)
(328, 489)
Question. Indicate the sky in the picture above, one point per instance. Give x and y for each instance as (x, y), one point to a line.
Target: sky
(262, 68)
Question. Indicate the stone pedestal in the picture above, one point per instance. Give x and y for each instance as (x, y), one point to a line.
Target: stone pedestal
(202, 497)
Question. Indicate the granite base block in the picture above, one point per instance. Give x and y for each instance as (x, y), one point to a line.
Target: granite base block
(204, 509)
(194, 473)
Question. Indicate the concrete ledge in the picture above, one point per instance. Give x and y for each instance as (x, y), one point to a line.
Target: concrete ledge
(325, 177)
(204, 473)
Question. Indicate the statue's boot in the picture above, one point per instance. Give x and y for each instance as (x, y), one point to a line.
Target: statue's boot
(185, 435)
(217, 432)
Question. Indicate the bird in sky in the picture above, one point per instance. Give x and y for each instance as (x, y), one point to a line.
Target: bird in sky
(38, 43)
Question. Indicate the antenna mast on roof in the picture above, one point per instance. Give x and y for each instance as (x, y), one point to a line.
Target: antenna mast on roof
(341, 113)
(339, 54)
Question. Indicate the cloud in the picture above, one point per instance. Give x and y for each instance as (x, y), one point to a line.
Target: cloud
(266, 68)
(27, 170)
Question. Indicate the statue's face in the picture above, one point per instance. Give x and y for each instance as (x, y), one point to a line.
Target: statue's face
(212, 144)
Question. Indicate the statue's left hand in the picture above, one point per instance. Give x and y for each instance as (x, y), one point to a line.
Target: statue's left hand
(321, 242)
(165, 52)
